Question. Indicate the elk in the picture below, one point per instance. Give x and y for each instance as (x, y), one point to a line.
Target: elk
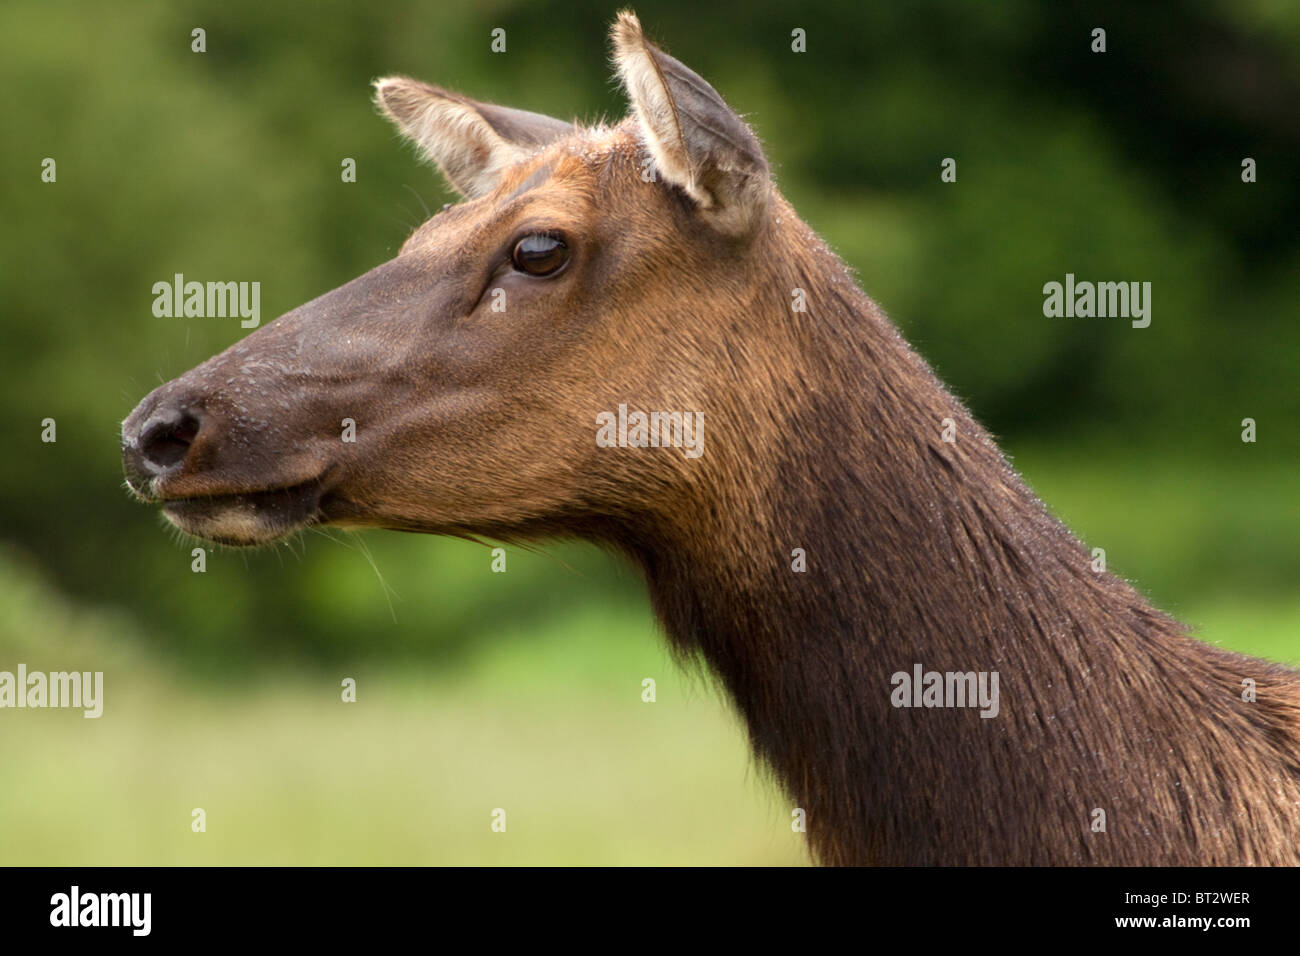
(651, 264)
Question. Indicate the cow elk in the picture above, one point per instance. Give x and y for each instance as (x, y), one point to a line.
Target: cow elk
(826, 551)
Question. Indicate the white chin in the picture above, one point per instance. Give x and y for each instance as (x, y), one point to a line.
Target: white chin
(239, 525)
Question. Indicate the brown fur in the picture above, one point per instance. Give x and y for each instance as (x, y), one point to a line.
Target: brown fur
(822, 433)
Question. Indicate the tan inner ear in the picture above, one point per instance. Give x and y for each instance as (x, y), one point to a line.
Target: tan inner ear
(449, 132)
(655, 110)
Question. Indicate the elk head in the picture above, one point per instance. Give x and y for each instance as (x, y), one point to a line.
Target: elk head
(586, 268)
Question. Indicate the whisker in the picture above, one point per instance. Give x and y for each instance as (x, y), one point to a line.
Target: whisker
(427, 213)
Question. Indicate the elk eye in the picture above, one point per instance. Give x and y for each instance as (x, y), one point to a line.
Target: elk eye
(540, 254)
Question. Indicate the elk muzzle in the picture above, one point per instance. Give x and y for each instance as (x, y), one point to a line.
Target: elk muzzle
(171, 451)
(245, 447)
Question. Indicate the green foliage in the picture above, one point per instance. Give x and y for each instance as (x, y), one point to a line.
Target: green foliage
(1120, 166)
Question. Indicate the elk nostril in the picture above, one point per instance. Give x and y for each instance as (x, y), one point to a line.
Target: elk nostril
(165, 444)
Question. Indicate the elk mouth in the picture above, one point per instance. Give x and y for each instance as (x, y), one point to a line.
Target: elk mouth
(247, 518)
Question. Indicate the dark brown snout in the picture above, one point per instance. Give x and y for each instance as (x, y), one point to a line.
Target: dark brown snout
(243, 448)
(156, 441)
(189, 458)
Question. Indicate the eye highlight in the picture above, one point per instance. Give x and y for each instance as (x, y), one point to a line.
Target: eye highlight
(540, 254)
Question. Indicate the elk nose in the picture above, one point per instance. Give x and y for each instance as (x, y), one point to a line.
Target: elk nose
(158, 445)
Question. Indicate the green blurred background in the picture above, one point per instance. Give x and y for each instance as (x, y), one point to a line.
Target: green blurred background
(523, 690)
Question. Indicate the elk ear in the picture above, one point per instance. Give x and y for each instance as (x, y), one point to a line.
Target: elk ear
(471, 142)
(697, 141)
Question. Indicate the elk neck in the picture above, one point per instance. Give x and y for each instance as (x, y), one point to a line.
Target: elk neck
(918, 550)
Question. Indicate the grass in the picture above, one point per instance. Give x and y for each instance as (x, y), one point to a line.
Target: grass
(408, 774)
(543, 719)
